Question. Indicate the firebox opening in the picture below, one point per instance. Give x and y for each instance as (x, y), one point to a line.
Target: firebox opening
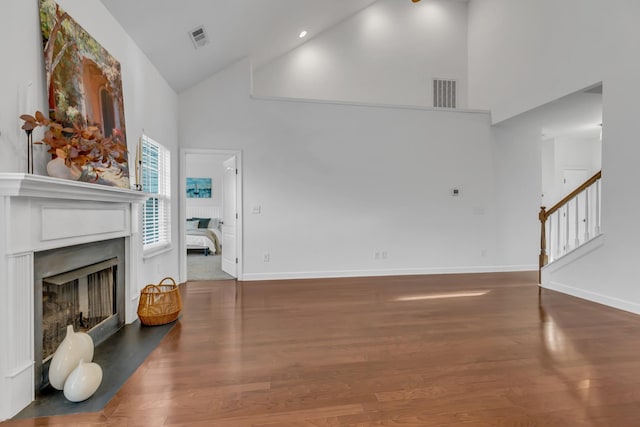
(81, 285)
(84, 298)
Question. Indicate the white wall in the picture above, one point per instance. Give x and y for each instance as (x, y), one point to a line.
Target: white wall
(568, 152)
(523, 54)
(148, 100)
(338, 183)
(22, 83)
(387, 53)
(550, 184)
(546, 49)
(517, 162)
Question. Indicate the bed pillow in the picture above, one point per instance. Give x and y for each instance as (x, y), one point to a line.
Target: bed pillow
(203, 222)
(192, 224)
(215, 223)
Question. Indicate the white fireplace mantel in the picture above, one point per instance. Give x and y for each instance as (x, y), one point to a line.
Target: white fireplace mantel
(40, 213)
(27, 185)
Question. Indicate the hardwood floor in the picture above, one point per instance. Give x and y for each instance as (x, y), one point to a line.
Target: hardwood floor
(446, 350)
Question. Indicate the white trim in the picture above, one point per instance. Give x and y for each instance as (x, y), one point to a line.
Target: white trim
(21, 370)
(39, 186)
(387, 272)
(594, 297)
(156, 250)
(182, 201)
(572, 256)
(368, 104)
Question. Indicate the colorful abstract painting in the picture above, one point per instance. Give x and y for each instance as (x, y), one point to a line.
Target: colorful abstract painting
(199, 188)
(84, 86)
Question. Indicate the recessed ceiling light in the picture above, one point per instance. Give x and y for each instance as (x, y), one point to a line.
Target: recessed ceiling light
(302, 33)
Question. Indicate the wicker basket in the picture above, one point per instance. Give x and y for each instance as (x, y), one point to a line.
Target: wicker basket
(159, 304)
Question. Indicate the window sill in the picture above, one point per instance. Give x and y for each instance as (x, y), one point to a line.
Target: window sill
(155, 251)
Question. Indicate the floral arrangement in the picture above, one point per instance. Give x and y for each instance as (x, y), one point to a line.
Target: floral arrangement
(84, 149)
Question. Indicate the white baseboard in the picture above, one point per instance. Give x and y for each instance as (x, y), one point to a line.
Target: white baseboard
(387, 272)
(594, 297)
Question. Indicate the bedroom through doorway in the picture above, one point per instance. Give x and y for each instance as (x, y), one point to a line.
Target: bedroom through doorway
(203, 197)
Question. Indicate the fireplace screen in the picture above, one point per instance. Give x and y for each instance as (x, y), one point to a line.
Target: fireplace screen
(84, 298)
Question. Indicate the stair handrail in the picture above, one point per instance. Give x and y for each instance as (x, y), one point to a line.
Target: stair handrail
(544, 215)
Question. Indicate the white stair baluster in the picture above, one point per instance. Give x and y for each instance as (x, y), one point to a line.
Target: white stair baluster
(558, 240)
(597, 225)
(566, 230)
(550, 241)
(577, 236)
(586, 215)
(566, 240)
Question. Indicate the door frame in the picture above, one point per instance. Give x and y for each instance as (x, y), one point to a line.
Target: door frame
(182, 204)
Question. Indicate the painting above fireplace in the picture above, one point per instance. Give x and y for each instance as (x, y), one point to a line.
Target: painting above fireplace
(84, 87)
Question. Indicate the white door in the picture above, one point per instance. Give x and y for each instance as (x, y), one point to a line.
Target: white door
(229, 218)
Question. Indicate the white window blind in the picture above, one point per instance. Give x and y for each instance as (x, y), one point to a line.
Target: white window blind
(156, 180)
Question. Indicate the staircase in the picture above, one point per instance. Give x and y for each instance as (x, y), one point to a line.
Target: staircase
(570, 223)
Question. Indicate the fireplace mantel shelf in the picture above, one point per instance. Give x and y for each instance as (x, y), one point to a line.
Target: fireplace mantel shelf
(39, 186)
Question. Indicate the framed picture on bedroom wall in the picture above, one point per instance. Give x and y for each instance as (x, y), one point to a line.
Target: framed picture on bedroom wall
(199, 188)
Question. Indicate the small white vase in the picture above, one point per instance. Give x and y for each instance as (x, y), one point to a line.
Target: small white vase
(74, 347)
(83, 381)
(85, 342)
(58, 169)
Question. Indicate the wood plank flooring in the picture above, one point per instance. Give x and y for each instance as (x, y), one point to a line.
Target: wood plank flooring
(443, 350)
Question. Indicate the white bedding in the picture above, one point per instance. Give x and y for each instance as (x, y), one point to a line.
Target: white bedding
(203, 237)
(200, 240)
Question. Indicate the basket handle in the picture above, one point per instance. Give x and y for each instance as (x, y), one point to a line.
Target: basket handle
(168, 278)
(151, 289)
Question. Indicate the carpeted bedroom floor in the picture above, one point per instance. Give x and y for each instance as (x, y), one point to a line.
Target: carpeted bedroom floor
(201, 267)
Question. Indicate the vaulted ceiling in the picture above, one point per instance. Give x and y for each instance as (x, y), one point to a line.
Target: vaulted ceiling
(259, 29)
(265, 29)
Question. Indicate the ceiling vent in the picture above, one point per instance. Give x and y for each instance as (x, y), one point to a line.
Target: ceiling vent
(199, 37)
(444, 93)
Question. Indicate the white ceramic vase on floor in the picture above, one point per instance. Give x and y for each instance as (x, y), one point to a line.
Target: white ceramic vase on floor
(76, 346)
(83, 381)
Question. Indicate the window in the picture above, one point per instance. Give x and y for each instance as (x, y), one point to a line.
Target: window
(156, 180)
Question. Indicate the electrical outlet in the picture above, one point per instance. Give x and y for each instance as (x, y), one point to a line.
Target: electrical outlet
(267, 257)
(377, 255)
(384, 255)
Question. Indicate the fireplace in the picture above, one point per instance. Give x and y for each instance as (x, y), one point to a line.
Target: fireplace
(81, 285)
(43, 215)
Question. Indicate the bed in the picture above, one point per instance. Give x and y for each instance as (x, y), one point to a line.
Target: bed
(203, 230)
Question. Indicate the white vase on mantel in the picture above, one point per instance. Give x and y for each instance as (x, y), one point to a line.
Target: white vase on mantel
(74, 347)
(58, 169)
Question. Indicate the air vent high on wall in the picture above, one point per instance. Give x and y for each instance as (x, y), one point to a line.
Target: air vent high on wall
(199, 37)
(444, 93)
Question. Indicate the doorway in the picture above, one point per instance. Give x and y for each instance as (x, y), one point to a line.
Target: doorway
(209, 228)
(571, 142)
